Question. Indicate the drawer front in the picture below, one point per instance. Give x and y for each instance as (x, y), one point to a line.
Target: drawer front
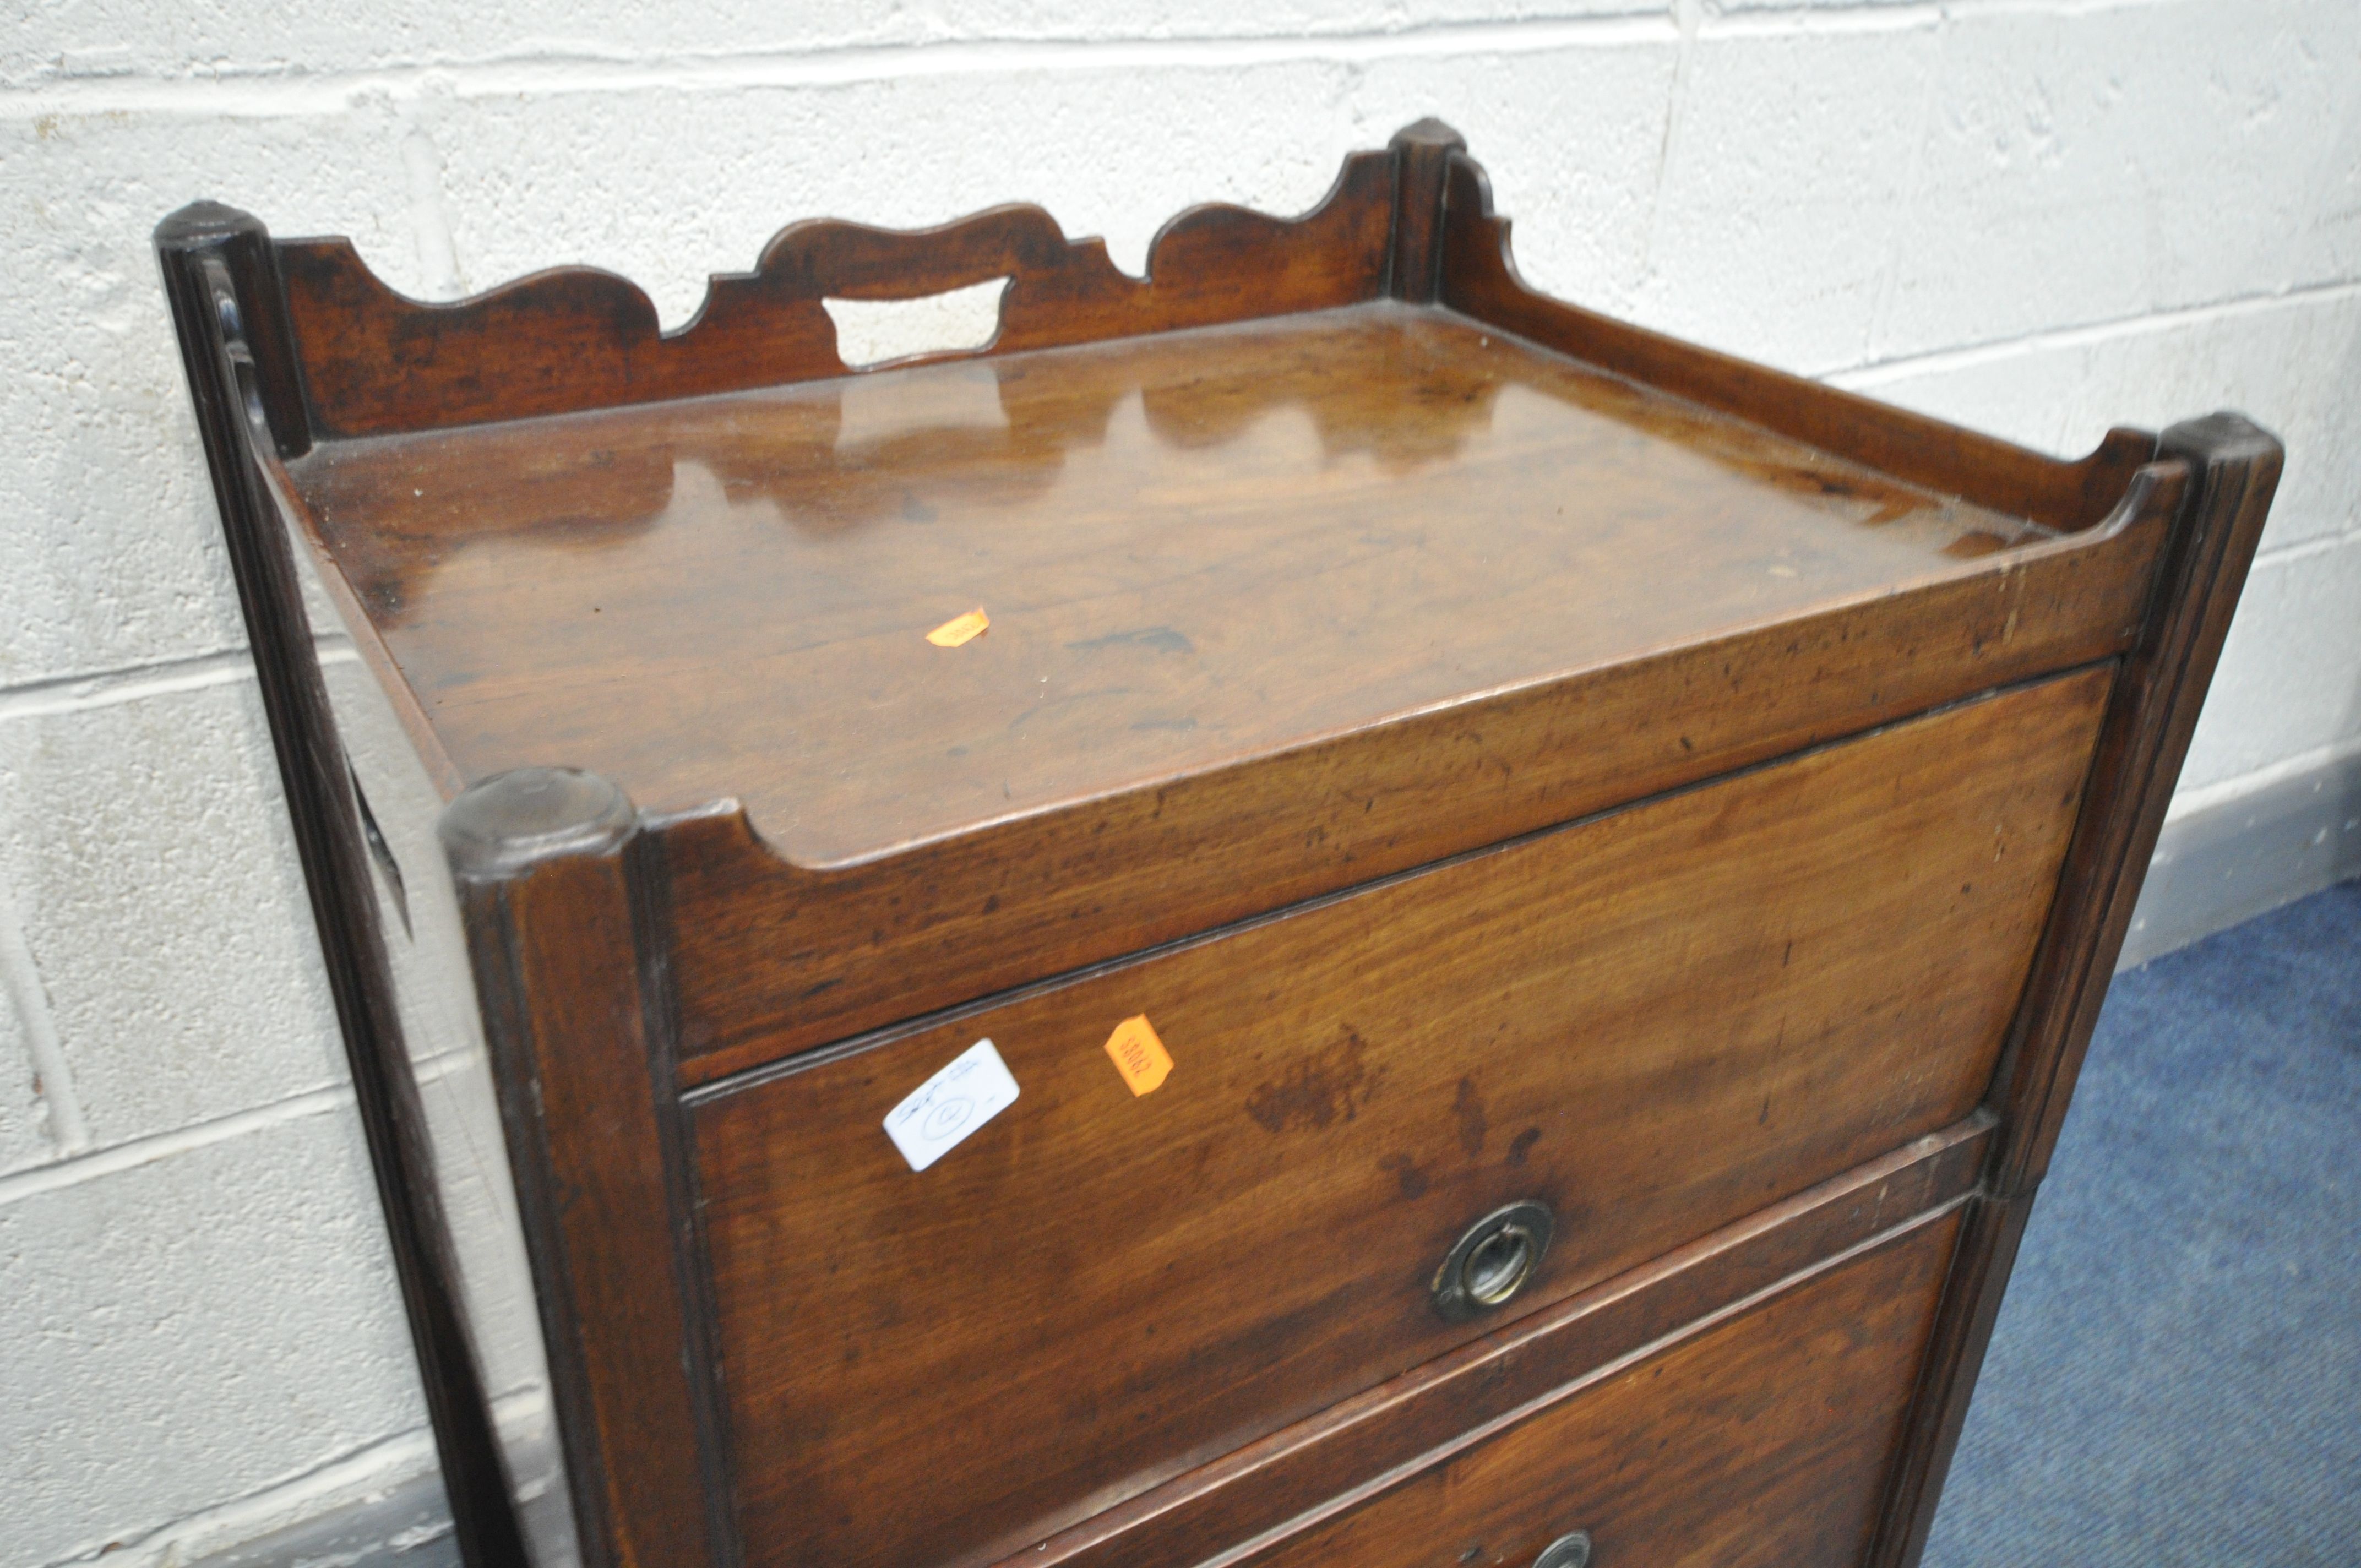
(1766, 1440)
(1653, 1022)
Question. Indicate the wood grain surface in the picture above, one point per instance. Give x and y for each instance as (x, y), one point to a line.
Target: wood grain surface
(1656, 1022)
(1328, 1462)
(1761, 1443)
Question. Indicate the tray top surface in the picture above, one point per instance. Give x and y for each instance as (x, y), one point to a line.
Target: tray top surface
(1192, 548)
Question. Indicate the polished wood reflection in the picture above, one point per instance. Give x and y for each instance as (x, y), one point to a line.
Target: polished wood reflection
(1193, 548)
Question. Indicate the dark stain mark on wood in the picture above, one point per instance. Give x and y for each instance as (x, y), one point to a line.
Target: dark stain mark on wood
(1469, 1109)
(1404, 1170)
(1523, 1145)
(1317, 1091)
(1156, 638)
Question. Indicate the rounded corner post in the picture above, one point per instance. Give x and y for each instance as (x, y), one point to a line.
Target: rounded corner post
(563, 900)
(2222, 438)
(203, 224)
(1428, 132)
(506, 825)
(2234, 473)
(207, 249)
(2233, 467)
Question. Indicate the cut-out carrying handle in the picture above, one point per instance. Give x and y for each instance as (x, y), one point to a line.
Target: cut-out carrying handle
(828, 258)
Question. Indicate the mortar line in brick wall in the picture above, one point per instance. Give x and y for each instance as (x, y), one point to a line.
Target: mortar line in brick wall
(430, 229)
(1787, 21)
(1687, 16)
(351, 1477)
(1823, 21)
(20, 979)
(117, 1157)
(2254, 780)
(362, 1475)
(1889, 272)
(1883, 372)
(132, 1153)
(330, 91)
(266, 94)
(2304, 548)
(133, 682)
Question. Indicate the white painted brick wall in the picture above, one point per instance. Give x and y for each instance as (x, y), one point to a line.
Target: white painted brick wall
(2036, 217)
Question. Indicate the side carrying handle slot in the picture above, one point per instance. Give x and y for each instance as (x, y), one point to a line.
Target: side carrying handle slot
(956, 321)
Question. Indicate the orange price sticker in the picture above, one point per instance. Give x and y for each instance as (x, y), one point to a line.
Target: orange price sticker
(1138, 1055)
(961, 628)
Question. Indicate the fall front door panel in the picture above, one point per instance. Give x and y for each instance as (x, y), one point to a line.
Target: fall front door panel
(1654, 1021)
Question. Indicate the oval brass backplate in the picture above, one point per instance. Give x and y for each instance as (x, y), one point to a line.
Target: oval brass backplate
(1493, 1260)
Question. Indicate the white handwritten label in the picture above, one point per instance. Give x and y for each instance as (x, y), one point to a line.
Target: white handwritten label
(941, 1112)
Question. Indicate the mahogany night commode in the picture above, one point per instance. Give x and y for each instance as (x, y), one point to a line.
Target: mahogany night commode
(1620, 848)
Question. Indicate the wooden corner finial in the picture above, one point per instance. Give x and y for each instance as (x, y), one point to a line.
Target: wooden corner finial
(512, 821)
(205, 223)
(1429, 132)
(1422, 153)
(2222, 433)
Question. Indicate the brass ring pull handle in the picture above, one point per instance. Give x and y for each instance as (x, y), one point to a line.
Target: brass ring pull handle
(1566, 1551)
(1494, 1260)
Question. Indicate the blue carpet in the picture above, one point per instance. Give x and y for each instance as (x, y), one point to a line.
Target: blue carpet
(2175, 1377)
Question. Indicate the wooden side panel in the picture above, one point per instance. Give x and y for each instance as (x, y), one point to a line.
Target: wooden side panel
(375, 363)
(1480, 278)
(426, 947)
(234, 346)
(1655, 1022)
(789, 958)
(1761, 1443)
